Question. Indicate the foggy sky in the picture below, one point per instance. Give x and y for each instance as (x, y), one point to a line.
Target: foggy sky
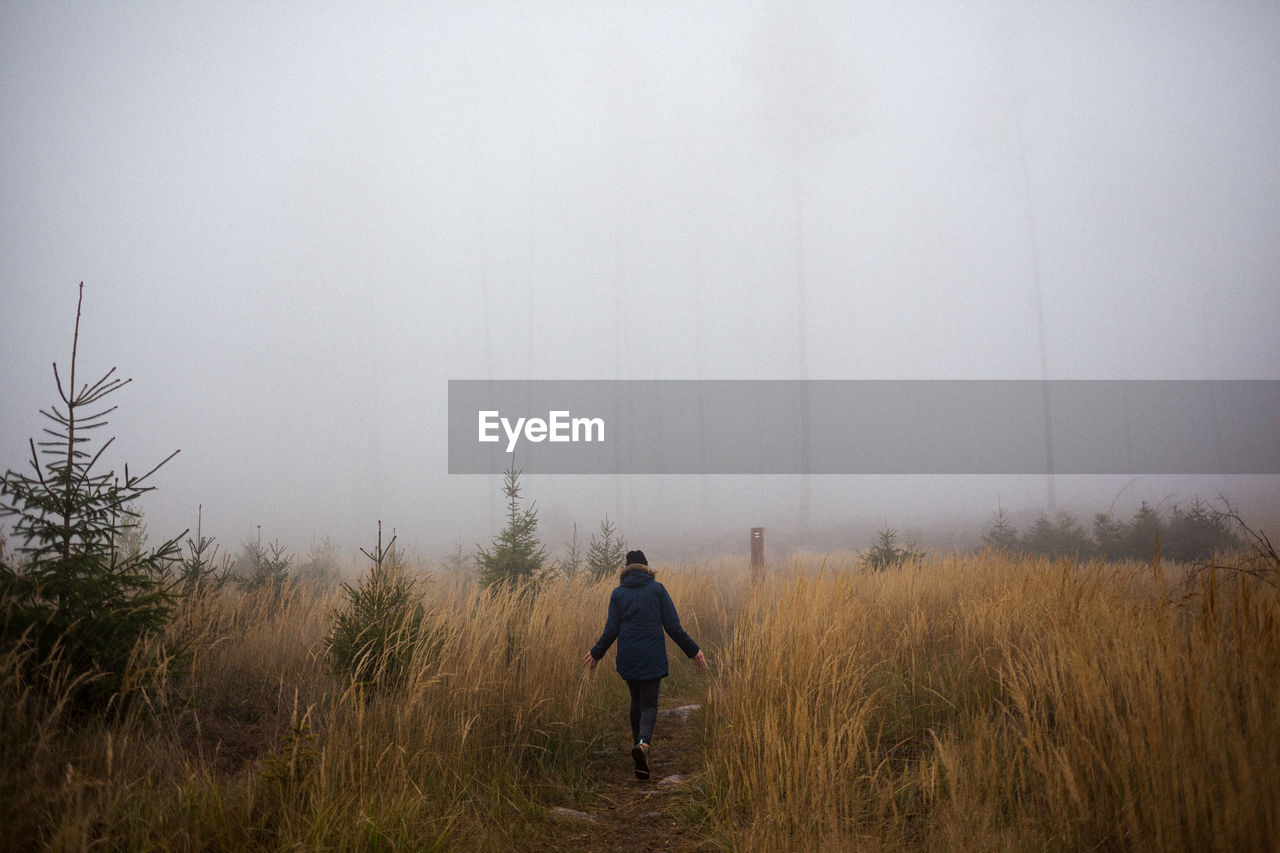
(295, 222)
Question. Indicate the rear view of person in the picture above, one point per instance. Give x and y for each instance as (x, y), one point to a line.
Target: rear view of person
(640, 609)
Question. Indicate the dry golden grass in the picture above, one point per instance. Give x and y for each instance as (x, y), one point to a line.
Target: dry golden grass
(970, 702)
(258, 745)
(989, 702)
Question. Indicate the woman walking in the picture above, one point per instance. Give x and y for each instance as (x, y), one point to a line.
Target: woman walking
(640, 609)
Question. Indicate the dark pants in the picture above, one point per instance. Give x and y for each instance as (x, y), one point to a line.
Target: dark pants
(644, 708)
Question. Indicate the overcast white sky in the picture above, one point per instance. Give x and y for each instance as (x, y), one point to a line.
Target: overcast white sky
(295, 222)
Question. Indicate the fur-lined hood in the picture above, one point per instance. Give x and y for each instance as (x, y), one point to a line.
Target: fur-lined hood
(634, 567)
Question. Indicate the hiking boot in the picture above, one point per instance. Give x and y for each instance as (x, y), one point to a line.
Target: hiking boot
(640, 755)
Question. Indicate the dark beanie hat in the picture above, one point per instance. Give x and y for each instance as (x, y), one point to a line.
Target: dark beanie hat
(636, 557)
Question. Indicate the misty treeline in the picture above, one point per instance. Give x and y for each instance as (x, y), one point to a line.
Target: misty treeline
(1188, 535)
(516, 554)
(84, 595)
(259, 564)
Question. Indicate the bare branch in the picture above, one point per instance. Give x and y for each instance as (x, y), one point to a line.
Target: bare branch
(157, 467)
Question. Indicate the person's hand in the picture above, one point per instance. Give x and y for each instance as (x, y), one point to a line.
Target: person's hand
(590, 663)
(700, 660)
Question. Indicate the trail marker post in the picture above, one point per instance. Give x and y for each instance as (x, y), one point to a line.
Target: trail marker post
(757, 552)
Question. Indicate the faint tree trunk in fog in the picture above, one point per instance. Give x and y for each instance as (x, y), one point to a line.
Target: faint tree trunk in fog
(802, 349)
(807, 109)
(1037, 295)
(1038, 299)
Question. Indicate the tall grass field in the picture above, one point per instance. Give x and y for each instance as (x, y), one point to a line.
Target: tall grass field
(965, 702)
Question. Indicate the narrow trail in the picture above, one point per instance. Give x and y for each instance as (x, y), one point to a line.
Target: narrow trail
(629, 816)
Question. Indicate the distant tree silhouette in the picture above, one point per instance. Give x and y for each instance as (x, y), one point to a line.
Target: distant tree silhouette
(1145, 531)
(1001, 533)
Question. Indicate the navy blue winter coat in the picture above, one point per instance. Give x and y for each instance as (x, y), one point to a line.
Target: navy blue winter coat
(640, 609)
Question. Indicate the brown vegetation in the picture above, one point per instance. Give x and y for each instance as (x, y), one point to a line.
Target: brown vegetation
(965, 702)
(995, 702)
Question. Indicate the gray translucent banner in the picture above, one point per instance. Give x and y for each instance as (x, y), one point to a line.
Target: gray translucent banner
(865, 427)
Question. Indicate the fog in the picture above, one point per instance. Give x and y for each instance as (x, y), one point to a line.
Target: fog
(295, 223)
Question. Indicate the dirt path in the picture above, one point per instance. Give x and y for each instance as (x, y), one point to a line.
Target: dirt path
(629, 816)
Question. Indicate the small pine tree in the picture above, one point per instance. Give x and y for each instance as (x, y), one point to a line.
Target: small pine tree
(382, 624)
(1109, 536)
(515, 554)
(321, 565)
(456, 560)
(1145, 531)
(1041, 538)
(606, 554)
(1061, 537)
(1198, 533)
(1001, 533)
(887, 552)
(201, 568)
(1070, 540)
(572, 562)
(270, 569)
(80, 597)
(245, 564)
